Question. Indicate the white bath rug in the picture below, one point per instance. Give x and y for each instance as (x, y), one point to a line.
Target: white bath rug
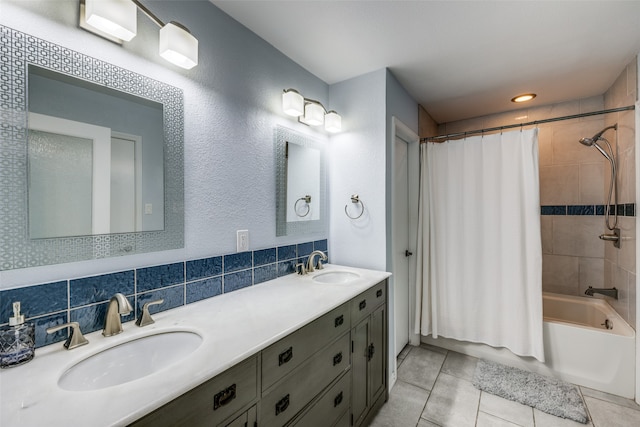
(547, 394)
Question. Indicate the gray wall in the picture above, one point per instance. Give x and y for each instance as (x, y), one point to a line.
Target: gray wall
(232, 105)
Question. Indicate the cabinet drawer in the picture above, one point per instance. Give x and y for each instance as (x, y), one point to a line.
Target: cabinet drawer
(295, 391)
(282, 357)
(344, 421)
(364, 304)
(211, 402)
(328, 410)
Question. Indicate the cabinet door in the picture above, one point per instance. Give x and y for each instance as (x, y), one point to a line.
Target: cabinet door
(359, 368)
(247, 419)
(377, 368)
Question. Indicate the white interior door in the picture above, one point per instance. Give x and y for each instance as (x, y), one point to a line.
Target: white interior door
(123, 185)
(79, 146)
(401, 243)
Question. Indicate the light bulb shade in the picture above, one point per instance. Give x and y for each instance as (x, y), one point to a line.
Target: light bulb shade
(332, 122)
(313, 114)
(178, 46)
(117, 18)
(292, 103)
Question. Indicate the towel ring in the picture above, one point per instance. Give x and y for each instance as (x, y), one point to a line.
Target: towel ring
(354, 199)
(307, 200)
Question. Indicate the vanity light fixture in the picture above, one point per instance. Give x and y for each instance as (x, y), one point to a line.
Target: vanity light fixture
(115, 20)
(309, 111)
(523, 98)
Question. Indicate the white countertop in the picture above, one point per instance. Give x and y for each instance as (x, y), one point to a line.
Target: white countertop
(233, 326)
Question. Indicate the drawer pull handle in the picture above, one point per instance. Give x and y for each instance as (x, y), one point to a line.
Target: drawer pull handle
(379, 293)
(285, 356)
(339, 320)
(224, 397)
(337, 359)
(370, 351)
(282, 405)
(363, 304)
(337, 400)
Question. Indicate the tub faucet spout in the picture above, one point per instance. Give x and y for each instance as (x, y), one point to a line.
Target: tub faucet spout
(609, 292)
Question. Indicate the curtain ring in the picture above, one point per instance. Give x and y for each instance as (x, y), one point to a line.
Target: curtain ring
(307, 200)
(354, 199)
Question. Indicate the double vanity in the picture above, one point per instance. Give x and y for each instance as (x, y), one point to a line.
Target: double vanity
(305, 350)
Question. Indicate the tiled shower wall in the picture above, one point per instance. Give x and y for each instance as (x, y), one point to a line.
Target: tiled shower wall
(574, 182)
(85, 299)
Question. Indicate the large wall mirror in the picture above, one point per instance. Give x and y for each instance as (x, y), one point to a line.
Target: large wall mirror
(92, 157)
(301, 201)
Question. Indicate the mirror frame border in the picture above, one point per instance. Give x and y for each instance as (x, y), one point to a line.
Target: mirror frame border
(16, 249)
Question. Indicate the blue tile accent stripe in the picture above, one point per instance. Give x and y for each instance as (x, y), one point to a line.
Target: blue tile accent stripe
(84, 300)
(626, 209)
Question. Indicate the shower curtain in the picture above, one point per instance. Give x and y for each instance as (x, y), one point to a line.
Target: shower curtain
(479, 273)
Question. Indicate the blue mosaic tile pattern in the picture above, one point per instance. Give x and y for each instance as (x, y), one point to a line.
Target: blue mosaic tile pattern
(265, 273)
(239, 261)
(90, 290)
(305, 249)
(160, 276)
(45, 322)
(173, 297)
(628, 209)
(237, 280)
(34, 300)
(581, 210)
(264, 256)
(286, 267)
(201, 268)
(85, 299)
(203, 289)
(553, 210)
(320, 245)
(287, 252)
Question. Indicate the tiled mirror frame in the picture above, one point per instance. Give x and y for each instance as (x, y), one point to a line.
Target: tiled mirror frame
(19, 50)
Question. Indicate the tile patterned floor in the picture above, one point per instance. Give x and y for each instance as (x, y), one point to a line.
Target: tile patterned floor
(434, 390)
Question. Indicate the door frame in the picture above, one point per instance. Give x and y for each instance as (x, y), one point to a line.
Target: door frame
(402, 131)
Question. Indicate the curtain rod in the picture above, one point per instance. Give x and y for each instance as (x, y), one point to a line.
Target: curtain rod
(520, 125)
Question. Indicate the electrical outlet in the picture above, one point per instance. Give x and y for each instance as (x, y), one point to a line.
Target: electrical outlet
(148, 209)
(242, 240)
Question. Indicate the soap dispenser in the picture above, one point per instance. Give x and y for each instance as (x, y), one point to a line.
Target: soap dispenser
(17, 340)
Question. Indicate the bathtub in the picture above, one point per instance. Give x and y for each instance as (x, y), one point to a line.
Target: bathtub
(578, 347)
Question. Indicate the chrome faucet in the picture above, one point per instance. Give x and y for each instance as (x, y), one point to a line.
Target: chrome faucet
(310, 266)
(118, 306)
(609, 292)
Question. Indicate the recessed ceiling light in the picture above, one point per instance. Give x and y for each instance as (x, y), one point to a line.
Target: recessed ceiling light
(524, 97)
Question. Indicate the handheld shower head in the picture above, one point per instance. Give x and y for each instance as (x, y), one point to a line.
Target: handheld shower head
(593, 141)
(597, 136)
(609, 155)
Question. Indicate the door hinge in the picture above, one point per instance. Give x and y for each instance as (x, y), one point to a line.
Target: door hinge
(351, 346)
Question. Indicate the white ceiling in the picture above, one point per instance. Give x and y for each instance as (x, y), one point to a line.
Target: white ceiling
(459, 59)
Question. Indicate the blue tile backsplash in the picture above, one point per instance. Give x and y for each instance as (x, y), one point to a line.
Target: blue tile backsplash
(84, 300)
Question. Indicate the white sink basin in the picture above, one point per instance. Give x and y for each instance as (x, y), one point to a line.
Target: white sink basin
(336, 277)
(130, 361)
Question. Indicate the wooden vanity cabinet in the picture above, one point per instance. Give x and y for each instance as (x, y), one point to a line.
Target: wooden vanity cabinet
(215, 403)
(369, 356)
(329, 373)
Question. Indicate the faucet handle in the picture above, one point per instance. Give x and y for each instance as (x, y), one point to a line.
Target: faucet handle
(145, 318)
(301, 269)
(75, 338)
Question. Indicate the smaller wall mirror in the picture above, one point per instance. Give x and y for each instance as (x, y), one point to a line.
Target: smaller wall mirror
(300, 184)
